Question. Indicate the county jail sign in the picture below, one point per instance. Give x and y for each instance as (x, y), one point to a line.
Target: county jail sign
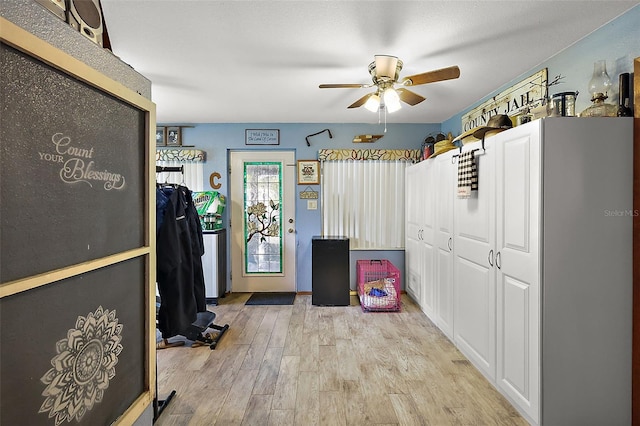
(529, 93)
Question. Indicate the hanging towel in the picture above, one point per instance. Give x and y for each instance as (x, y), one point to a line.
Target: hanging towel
(467, 174)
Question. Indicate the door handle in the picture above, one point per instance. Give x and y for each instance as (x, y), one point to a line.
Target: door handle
(498, 258)
(491, 257)
(449, 243)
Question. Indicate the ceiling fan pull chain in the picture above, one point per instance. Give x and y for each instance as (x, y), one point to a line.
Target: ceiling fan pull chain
(385, 119)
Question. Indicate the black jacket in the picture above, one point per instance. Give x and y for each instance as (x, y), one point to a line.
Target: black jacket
(179, 251)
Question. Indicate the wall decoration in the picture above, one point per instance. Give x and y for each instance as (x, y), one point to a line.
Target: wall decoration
(308, 172)
(89, 366)
(317, 133)
(161, 136)
(527, 94)
(262, 137)
(308, 194)
(214, 180)
(366, 138)
(84, 365)
(174, 136)
(92, 167)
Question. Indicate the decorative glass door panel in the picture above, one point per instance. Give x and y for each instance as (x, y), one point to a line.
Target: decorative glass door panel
(263, 218)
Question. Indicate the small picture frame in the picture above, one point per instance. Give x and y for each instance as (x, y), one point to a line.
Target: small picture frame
(308, 172)
(262, 137)
(174, 136)
(161, 136)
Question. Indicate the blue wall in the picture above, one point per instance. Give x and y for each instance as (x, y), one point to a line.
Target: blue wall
(218, 139)
(618, 43)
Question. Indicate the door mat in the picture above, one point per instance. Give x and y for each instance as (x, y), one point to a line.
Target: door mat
(271, 298)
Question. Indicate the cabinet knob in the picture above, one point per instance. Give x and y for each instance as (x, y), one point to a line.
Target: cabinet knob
(290, 230)
(290, 220)
(498, 258)
(491, 257)
(449, 243)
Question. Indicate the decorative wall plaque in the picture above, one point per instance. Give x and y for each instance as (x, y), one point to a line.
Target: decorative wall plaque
(262, 137)
(529, 93)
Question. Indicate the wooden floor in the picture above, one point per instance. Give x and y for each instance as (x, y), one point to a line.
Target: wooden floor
(314, 365)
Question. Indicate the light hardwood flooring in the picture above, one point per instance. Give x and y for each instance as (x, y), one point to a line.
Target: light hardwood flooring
(314, 365)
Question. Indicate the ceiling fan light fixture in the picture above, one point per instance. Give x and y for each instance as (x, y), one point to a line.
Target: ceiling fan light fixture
(391, 100)
(386, 66)
(373, 103)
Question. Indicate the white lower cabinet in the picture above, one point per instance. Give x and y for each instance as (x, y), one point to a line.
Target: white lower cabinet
(532, 275)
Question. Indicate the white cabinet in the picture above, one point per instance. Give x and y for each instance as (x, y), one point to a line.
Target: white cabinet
(214, 264)
(475, 276)
(421, 248)
(444, 184)
(517, 265)
(536, 267)
(414, 208)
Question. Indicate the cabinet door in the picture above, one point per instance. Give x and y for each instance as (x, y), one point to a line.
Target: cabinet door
(518, 266)
(428, 238)
(475, 287)
(443, 256)
(413, 231)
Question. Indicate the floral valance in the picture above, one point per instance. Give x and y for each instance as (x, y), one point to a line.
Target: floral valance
(413, 155)
(182, 155)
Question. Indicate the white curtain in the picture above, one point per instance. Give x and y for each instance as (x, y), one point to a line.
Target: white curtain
(364, 200)
(193, 174)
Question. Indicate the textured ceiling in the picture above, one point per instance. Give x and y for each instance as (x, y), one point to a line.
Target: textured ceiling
(262, 61)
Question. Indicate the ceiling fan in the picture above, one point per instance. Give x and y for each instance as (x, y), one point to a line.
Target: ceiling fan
(384, 72)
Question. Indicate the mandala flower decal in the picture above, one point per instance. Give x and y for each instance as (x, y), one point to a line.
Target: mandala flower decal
(82, 368)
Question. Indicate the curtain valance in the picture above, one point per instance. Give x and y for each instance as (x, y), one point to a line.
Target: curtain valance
(413, 155)
(181, 155)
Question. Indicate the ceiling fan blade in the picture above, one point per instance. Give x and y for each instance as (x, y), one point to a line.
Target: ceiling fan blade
(432, 76)
(343, 86)
(409, 97)
(361, 101)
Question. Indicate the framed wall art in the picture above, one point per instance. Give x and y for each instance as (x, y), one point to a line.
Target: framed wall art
(173, 135)
(262, 137)
(161, 136)
(308, 172)
(99, 200)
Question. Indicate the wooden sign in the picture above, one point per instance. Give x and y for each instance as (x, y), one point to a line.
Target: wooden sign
(529, 93)
(308, 194)
(366, 138)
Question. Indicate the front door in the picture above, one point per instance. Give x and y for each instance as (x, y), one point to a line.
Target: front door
(263, 238)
